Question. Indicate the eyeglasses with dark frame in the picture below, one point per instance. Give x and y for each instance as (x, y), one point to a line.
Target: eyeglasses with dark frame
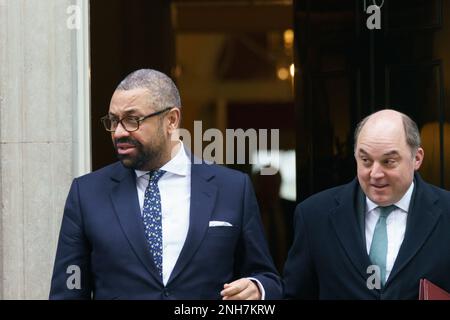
(129, 123)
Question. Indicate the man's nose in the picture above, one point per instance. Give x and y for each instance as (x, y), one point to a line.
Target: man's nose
(120, 132)
(377, 171)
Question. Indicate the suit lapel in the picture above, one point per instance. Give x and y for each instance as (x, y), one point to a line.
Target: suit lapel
(345, 222)
(422, 218)
(203, 197)
(126, 205)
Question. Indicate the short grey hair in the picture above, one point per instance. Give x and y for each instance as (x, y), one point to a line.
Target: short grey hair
(163, 91)
(412, 133)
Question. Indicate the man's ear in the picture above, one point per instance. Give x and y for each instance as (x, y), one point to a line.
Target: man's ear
(173, 119)
(418, 158)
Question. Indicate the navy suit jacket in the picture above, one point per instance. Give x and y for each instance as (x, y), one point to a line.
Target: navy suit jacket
(102, 234)
(329, 260)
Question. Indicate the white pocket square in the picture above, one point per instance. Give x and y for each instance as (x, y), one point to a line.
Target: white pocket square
(220, 224)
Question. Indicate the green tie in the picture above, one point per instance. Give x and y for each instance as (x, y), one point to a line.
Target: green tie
(378, 248)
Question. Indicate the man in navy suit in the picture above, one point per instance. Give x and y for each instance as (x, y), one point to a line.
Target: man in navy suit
(377, 236)
(156, 225)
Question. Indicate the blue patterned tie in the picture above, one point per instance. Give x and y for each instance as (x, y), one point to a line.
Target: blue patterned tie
(378, 248)
(151, 215)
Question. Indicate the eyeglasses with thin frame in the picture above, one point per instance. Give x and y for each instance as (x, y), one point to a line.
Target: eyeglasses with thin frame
(129, 123)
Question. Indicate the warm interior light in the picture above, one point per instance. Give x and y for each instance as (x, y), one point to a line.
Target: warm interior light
(283, 73)
(288, 36)
(292, 70)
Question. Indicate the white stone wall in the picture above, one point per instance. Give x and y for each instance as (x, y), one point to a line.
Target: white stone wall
(39, 104)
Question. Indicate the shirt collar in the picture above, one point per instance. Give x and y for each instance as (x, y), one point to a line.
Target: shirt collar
(403, 203)
(178, 165)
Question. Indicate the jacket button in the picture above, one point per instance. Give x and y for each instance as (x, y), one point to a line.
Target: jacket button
(166, 292)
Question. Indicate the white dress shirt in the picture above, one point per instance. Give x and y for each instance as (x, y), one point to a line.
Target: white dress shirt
(175, 190)
(395, 225)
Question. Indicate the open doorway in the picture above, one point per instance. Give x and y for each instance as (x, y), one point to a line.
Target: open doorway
(233, 63)
(234, 68)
